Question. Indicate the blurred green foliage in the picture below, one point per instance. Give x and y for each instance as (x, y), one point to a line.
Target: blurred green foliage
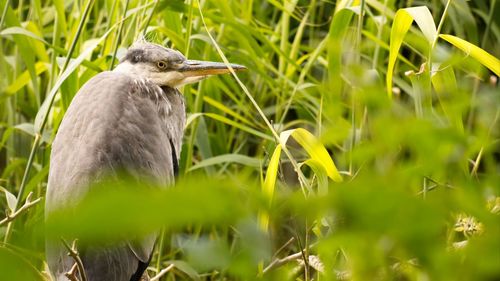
(419, 159)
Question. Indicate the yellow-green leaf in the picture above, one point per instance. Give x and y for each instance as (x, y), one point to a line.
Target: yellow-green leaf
(269, 184)
(422, 16)
(474, 51)
(320, 173)
(402, 22)
(315, 149)
(272, 172)
(23, 79)
(445, 83)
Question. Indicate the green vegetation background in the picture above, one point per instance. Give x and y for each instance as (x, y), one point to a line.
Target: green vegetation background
(358, 146)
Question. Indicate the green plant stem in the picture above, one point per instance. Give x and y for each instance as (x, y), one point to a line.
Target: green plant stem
(434, 42)
(477, 81)
(108, 26)
(144, 32)
(194, 126)
(379, 36)
(24, 180)
(358, 30)
(4, 13)
(118, 38)
(189, 28)
(160, 250)
(304, 184)
(488, 24)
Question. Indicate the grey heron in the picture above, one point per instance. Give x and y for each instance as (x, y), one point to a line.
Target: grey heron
(130, 119)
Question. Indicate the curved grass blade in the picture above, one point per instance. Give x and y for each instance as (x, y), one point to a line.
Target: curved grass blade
(400, 26)
(269, 185)
(227, 158)
(320, 173)
(315, 149)
(474, 51)
(23, 79)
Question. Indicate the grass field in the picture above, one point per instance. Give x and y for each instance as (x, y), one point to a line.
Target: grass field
(363, 142)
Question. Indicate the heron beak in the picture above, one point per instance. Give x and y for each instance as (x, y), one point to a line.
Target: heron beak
(196, 68)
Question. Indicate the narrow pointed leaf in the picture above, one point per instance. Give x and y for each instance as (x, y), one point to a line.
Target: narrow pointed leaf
(422, 16)
(314, 148)
(474, 51)
(401, 24)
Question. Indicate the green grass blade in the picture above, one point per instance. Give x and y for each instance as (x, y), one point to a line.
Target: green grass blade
(474, 51)
(401, 24)
(422, 16)
(269, 185)
(227, 158)
(315, 149)
(338, 28)
(23, 79)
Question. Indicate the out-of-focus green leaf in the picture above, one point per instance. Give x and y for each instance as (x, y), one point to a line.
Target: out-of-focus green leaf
(36, 180)
(444, 81)
(5, 136)
(21, 31)
(185, 268)
(338, 28)
(421, 89)
(173, 5)
(445, 84)
(37, 45)
(207, 254)
(15, 267)
(474, 51)
(126, 207)
(23, 79)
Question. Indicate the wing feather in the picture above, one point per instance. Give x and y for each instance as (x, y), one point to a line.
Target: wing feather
(109, 127)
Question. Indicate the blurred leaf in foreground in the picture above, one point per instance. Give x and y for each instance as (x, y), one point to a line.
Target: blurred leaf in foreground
(118, 209)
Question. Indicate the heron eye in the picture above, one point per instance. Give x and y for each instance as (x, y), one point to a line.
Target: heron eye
(161, 65)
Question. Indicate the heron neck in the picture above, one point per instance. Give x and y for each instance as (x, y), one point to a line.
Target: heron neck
(172, 111)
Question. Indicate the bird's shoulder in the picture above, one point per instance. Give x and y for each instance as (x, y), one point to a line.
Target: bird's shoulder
(110, 124)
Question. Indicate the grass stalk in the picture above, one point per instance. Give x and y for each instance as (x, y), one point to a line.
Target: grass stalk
(304, 184)
(438, 31)
(108, 25)
(187, 88)
(4, 13)
(118, 37)
(29, 164)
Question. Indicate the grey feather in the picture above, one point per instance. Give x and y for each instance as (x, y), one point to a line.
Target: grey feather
(115, 122)
(129, 120)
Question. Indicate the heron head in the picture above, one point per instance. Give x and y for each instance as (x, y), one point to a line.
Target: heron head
(168, 67)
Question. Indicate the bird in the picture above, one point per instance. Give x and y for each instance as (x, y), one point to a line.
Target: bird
(129, 119)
